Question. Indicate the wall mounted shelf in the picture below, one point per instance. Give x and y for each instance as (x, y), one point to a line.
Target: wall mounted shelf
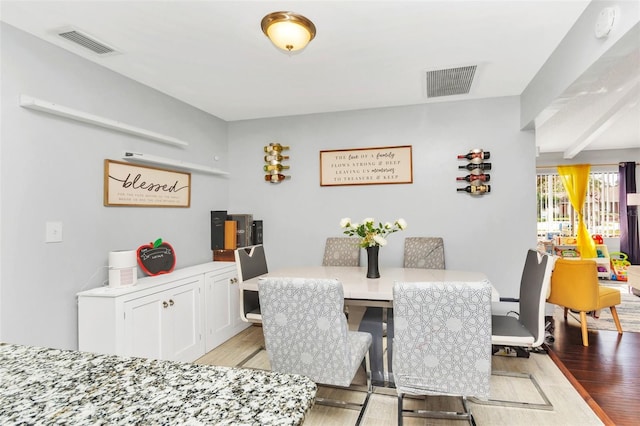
(138, 157)
(62, 111)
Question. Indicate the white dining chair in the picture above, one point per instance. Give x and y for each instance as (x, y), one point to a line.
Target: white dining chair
(424, 252)
(341, 251)
(441, 343)
(306, 332)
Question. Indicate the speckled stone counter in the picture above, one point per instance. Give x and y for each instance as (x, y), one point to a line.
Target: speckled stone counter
(48, 386)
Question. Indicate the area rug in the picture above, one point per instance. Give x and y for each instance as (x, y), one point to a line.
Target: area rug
(628, 312)
(569, 406)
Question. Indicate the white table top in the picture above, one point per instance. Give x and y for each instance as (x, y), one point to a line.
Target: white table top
(357, 286)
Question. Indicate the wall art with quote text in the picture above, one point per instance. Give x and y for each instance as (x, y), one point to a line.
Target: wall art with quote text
(127, 184)
(366, 166)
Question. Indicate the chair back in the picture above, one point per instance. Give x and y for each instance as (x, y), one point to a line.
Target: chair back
(305, 329)
(442, 338)
(534, 288)
(341, 251)
(574, 284)
(424, 252)
(251, 262)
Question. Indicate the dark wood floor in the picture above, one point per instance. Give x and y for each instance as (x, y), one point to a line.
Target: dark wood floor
(607, 372)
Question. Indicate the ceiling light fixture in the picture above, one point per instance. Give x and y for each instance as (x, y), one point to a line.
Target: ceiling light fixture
(288, 31)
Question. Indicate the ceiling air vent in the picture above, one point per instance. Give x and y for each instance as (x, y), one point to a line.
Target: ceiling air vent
(86, 41)
(451, 81)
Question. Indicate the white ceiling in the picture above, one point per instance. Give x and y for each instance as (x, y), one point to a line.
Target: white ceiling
(367, 54)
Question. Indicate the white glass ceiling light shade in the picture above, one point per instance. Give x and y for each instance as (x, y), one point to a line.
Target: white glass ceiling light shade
(288, 31)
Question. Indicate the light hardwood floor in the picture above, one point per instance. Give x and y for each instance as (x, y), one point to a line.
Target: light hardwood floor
(569, 407)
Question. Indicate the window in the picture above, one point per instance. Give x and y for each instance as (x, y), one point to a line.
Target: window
(601, 210)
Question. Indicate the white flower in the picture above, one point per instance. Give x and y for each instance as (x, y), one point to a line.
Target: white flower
(369, 233)
(380, 240)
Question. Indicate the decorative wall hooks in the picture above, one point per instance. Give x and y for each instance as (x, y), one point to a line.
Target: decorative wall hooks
(273, 159)
(477, 168)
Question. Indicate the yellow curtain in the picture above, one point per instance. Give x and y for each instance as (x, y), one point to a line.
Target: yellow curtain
(575, 180)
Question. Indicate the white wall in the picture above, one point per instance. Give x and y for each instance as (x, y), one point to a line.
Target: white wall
(489, 233)
(577, 52)
(52, 170)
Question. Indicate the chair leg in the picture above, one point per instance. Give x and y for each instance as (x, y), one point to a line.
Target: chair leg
(362, 408)
(614, 314)
(400, 409)
(583, 326)
(546, 405)
(367, 369)
(465, 414)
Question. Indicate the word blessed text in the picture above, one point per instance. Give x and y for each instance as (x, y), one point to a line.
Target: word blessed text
(141, 186)
(134, 184)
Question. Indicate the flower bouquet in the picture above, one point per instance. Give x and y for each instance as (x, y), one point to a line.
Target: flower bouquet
(372, 234)
(372, 237)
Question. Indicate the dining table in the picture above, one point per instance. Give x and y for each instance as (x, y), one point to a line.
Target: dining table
(376, 295)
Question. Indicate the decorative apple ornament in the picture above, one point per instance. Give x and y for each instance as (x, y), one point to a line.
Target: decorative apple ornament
(156, 258)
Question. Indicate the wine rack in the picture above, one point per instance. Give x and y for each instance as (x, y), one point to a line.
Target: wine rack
(274, 168)
(477, 178)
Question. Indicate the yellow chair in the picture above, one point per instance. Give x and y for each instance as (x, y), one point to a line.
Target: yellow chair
(575, 286)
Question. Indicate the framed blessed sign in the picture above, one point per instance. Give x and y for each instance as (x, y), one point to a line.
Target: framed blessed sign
(127, 184)
(366, 166)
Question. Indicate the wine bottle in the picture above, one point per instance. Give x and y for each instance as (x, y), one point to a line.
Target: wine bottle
(476, 153)
(275, 177)
(473, 178)
(481, 166)
(272, 167)
(276, 157)
(476, 189)
(275, 147)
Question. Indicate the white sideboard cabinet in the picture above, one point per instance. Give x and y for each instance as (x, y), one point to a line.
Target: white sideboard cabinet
(166, 324)
(163, 317)
(222, 295)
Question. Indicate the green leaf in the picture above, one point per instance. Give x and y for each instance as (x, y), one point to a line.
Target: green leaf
(157, 243)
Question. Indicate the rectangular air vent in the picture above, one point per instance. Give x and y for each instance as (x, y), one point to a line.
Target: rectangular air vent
(451, 81)
(88, 42)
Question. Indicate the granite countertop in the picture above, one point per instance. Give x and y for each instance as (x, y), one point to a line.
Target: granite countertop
(51, 386)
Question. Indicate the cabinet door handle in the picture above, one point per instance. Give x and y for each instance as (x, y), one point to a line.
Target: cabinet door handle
(170, 302)
(165, 305)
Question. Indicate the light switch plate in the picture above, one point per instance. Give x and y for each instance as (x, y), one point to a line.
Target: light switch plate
(54, 232)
